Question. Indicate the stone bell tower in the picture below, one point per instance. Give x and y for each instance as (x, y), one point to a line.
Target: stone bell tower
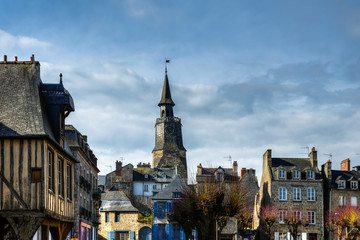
(169, 151)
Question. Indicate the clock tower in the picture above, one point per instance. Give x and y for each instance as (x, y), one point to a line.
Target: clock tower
(169, 151)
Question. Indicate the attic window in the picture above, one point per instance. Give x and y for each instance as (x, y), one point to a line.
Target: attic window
(176, 195)
(341, 184)
(146, 176)
(354, 185)
(219, 177)
(281, 174)
(164, 176)
(310, 174)
(296, 174)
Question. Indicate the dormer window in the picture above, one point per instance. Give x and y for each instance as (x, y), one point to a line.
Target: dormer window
(219, 177)
(310, 174)
(164, 176)
(341, 184)
(354, 185)
(281, 174)
(146, 176)
(296, 174)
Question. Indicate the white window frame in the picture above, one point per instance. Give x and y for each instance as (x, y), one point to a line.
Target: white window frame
(311, 194)
(146, 188)
(354, 185)
(354, 201)
(297, 215)
(282, 174)
(310, 174)
(282, 215)
(282, 194)
(297, 175)
(341, 184)
(342, 200)
(297, 194)
(312, 216)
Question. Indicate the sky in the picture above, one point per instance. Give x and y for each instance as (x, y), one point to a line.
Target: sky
(246, 76)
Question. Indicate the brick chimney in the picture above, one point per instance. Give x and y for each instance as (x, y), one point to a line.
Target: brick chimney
(313, 157)
(327, 169)
(345, 165)
(235, 168)
(118, 168)
(242, 172)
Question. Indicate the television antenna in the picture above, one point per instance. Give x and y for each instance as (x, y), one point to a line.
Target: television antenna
(229, 159)
(308, 150)
(330, 155)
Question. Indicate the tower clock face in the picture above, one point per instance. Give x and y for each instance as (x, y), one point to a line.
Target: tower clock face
(169, 129)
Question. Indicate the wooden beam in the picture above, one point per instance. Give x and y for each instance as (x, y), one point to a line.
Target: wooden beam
(13, 191)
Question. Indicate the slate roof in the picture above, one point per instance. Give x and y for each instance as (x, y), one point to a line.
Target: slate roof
(116, 201)
(177, 185)
(344, 175)
(166, 94)
(154, 174)
(301, 164)
(75, 139)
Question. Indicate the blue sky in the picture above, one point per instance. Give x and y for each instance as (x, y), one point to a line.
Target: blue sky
(245, 75)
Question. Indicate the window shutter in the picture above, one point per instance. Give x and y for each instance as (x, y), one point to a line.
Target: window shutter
(276, 235)
(168, 207)
(132, 235)
(111, 235)
(168, 232)
(182, 234)
(155, 209)
(155, 232)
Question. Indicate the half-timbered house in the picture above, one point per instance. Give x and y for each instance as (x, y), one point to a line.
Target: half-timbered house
(36, 168)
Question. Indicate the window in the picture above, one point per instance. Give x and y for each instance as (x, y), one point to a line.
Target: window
(282, 236)
(117, 217)
(176, 231)
(146, 176)
(296, 174)
(282, 194)
(311, 194)
(107, 218)
(297, 194)
(219, 177)
(282, 215)
(68, 181)
(51, 170)
(282, 174)
(342, 200)
(176, 195)
(146, 188)
(60, 177)
(122, 235)
(164, 176)
(354, 185)
(154, 186)
(312, 217)
(310, 174)
(297, 215)
(341, 184)
(354, 201)
(161, 209)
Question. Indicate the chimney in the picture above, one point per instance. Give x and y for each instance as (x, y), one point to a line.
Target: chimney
(118, 168)
(345, 165)
(242, 172)
(267, 159)
(5, 58)
(327, 169)
(235, 168)
(15, 58)
(199, 170)
(313, 157)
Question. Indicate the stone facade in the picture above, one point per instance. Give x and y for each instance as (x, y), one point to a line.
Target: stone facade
(341, 188)
(121, 178)
(292, 185)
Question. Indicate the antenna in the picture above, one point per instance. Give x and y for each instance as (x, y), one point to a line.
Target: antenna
(308, 150)
(109, 167)
(229, 159)
(330, 155)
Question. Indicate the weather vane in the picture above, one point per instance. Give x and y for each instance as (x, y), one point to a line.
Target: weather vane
(166, 62)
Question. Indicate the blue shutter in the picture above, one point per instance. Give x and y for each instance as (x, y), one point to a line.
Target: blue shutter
(155, 209)
(111, 235)
(155, 231)
(168, 232)
(182, 234)
(132, 235)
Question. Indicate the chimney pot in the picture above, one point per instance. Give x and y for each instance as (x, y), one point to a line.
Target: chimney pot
(15, 58)
(5, 58)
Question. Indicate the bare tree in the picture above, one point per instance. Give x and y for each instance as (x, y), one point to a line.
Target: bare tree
(268, 216)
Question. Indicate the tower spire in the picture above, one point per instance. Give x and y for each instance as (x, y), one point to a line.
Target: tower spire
(166, 94)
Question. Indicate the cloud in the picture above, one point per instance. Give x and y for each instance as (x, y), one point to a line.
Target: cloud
(9, 43)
